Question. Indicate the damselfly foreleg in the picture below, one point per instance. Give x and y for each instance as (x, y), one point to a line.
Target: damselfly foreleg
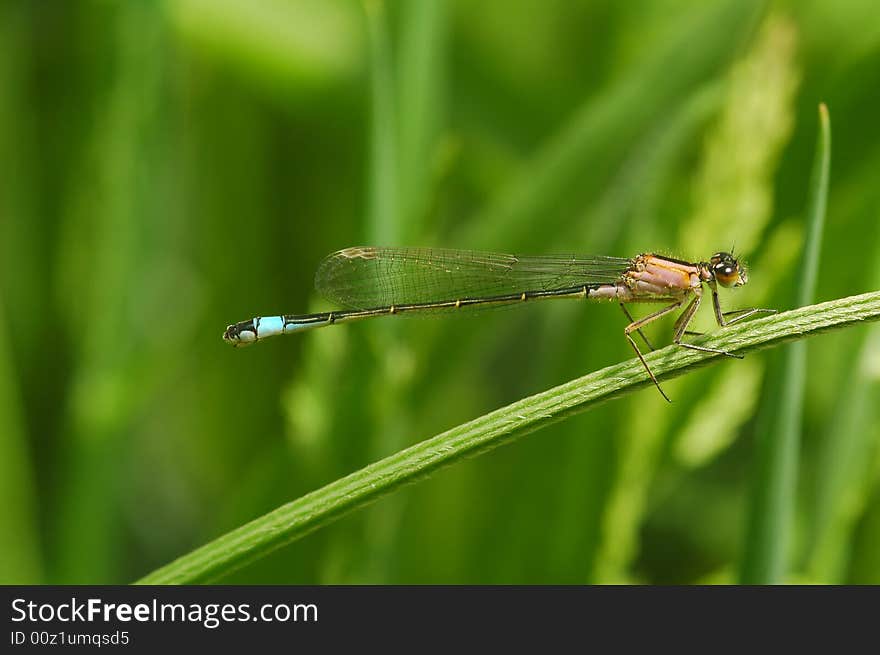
(738, 314)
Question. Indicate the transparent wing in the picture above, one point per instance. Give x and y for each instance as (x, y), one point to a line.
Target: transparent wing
(364, 277)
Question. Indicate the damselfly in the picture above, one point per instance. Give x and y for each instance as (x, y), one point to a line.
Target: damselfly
(372, 282)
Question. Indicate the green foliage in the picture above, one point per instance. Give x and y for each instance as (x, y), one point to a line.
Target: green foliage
(174, 167)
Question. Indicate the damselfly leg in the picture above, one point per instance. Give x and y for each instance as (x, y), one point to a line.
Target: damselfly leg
(636, 326)
(632, 320)
(738, 314)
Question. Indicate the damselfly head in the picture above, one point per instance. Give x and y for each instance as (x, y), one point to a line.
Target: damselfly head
(728, 270)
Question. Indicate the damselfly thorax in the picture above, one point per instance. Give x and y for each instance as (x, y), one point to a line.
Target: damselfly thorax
(371, 282)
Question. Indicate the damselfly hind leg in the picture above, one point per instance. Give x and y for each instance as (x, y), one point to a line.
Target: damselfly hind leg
(635, 326)
(632, 320)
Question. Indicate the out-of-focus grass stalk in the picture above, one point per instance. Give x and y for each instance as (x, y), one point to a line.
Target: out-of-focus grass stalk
(383, 190)
(22, 276)
(771, 515)
(420, 66)
(386, 188)
(20, 563)
(302, 516)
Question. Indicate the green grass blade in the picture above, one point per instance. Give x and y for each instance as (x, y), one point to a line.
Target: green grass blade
(304, 515)
(816, 209)
(768, 538)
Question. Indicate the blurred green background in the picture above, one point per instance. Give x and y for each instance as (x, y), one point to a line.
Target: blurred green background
(172, 167)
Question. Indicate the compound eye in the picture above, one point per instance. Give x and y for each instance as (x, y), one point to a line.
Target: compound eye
(726, 273)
